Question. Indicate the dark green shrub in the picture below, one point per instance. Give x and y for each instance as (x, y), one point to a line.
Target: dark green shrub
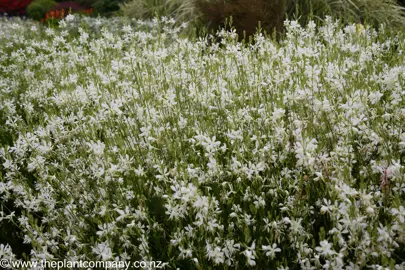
(37, 9)
(106, 7)
(86, 3)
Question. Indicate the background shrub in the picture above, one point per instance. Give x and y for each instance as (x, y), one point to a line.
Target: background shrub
(37, 9)
(106, 7)
(271, 13)
(85, 3)
(68, 5)
(213, 14)
(14, 7)
(246, 14)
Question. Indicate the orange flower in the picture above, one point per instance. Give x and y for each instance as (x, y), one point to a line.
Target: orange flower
(60, 14)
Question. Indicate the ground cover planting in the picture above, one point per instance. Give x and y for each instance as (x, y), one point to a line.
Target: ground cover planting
(135, 143)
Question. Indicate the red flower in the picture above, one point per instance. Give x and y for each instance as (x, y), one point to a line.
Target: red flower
(57, 14)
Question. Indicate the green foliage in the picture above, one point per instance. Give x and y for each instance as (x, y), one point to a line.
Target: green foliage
(135, 9)
(106, 7)
(374, 12)
(86, 3)
(181, 10)
(38, 8)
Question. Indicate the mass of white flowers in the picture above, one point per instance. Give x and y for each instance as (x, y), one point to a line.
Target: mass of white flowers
(208, 153)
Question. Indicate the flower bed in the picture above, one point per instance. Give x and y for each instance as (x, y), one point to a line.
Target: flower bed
(140, 145)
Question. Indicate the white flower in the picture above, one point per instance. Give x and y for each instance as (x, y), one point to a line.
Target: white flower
(250, 254)
(325, 249)
(8, 164)
(383, 234)
(374, 97)
(394, 169)
(327, 207)
(399, 213)
(271, 250)
(70, 18)
(140, 171)
(277, 114)
(105, 229)
(215, 254)
(6, 252)
(103, 251)
(96, 147)
(370, 210)
(185, 253)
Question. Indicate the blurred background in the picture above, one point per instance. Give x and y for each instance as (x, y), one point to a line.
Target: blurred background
(212, 14)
